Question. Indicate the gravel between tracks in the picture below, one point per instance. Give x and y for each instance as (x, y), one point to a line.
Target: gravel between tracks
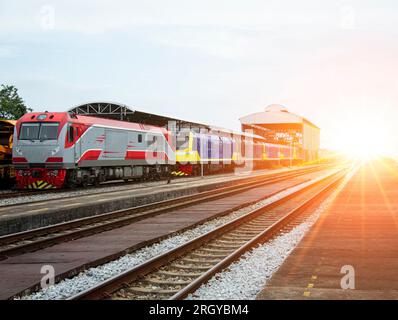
(93, 276)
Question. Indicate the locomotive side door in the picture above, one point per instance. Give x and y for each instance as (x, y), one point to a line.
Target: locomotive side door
(72, 137)
(76, 146)
(115, 144)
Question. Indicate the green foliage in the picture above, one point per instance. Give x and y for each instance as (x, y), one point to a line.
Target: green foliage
(12, 107)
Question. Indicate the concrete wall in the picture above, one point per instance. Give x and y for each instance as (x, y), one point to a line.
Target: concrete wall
(311, 142)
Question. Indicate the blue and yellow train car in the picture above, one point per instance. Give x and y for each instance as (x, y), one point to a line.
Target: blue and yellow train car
(214, 152)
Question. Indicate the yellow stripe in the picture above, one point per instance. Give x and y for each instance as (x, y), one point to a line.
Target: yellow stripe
(43, 185)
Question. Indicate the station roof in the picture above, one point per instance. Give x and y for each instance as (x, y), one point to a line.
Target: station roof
(275, 114)
(119, 111)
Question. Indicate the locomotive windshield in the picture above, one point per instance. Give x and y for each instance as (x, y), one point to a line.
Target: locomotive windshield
(39, 131)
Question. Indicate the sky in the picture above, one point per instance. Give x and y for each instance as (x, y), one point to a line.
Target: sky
(333, 62)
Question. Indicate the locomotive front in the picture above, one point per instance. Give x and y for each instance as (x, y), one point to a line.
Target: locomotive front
(39, 153)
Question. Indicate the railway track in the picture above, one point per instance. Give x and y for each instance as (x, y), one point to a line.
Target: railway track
(180, 271)
(28, 241)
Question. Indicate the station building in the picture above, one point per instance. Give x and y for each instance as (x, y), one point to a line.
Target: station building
(280, 126)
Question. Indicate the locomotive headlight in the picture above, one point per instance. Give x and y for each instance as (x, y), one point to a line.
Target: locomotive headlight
(55, 151)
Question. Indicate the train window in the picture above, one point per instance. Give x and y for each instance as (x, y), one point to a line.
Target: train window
(29, 131)
(71, 135)
(151, 140)
(182, 141)
(48, 131)
(140, 138)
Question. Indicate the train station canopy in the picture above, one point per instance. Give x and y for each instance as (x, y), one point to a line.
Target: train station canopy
(119, 111)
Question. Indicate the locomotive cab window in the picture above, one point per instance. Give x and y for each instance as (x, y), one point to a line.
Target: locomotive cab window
(48, 131)
(29, 131)
(39, 131)
(140, 138)
(182, 141)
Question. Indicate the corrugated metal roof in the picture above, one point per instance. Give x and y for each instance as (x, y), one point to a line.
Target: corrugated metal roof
(274, 114)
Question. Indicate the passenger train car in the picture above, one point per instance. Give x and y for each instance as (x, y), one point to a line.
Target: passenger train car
(55, 150)
(224, 151)
(7, 173)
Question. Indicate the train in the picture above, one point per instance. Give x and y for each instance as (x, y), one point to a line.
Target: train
(225, 150)
(57, 149)
(7, 172)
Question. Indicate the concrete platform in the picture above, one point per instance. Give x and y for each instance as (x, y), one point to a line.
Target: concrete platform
(359, 229)
(33, 215)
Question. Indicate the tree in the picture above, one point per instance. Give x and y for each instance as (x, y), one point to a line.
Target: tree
(11, 104)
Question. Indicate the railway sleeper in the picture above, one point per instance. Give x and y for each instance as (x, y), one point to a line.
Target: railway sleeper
(223, 246)
(242, 234)
(144, 290)
(191, 267)
(237, 237)
(179, 274)
(200, 260)
(207, 255)
(252, 230)
(232, 241)
(167, 282)
(221, 251)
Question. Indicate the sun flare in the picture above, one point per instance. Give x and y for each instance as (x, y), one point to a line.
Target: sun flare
(364, 138)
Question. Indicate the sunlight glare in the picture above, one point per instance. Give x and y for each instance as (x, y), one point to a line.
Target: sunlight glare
(364, 138)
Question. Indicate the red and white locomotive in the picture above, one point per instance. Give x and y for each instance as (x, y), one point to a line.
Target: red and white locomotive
(57, 149)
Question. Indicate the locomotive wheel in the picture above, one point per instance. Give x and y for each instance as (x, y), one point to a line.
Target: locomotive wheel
(85, 181)
(97, 181)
